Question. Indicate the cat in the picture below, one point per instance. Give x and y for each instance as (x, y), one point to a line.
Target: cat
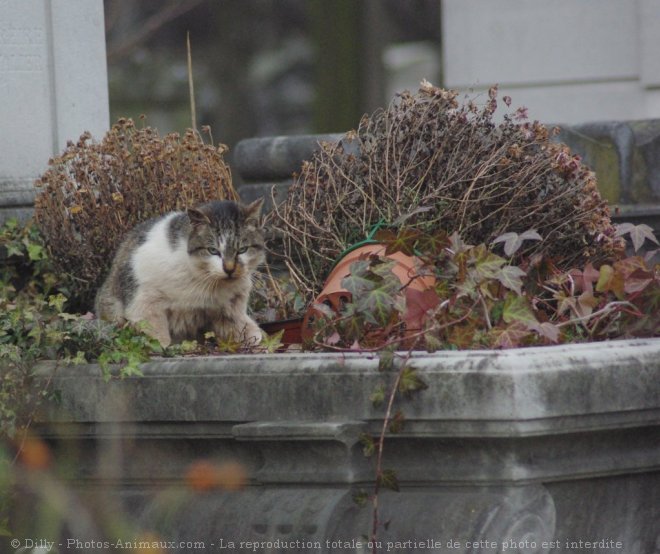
(189, 272)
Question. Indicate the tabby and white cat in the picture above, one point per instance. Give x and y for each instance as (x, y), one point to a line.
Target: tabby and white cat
(186, 273)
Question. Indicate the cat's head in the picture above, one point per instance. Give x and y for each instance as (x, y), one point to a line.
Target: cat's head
(226, 239)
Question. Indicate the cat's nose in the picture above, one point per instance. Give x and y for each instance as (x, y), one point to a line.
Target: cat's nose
(229, 267)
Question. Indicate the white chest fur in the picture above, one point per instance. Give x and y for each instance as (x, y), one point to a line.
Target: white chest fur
(166, 273)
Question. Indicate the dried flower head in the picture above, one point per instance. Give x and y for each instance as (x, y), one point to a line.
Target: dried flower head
(96, 191)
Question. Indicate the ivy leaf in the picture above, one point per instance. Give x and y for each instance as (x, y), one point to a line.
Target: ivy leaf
(410, 381)
(511, 277)
(368, 445)
(352, 328)
(376, 305)
(272, 343)
(432, 342)
(323, 310)
(516, 308)
(385, 360)
(638, 234)
(378, 396)
(389, 480)
(584, 280)
(13, 250)
(586, 303)
(67, 317)
(456, 243)
(547, 330)
(513, 241)
(229, 345)
(530, 234)
(357, 283)
(610, 280)
(361, 497)
(435, 243)
(488, 265)
(385, 236)
(78, 359)
(461, 336)
(418, 305)
(637, 281)
(35, 252)
(57, 301)
(404, 241)
(382, 272)
(511, 336)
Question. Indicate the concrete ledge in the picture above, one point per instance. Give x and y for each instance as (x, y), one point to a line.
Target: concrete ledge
(541, 444)
(521, 391)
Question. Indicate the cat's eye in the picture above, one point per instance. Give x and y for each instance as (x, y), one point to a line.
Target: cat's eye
(213, 251)
(243, 249)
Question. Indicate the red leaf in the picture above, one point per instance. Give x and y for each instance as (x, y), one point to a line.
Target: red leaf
(590, 276)
(637, 281)
(418, 304)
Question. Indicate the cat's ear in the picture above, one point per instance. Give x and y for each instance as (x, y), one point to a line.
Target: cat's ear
(197, 217)
(253, 211)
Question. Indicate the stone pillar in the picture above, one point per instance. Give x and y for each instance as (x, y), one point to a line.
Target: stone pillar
(53, 86)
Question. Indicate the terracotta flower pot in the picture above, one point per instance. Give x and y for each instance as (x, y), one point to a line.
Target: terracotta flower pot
(335, 296)
(292, 330)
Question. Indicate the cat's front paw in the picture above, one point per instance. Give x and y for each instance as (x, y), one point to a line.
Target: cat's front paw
(252, 334)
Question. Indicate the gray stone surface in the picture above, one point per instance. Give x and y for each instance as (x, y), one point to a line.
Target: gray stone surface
(624, 156)
(547, 445)
(275, 158)
(273, 193)
(543, 56)
(53, 86)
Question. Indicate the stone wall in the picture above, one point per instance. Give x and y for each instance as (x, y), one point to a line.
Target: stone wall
(569, 62)
(525, 450)
(53, 86)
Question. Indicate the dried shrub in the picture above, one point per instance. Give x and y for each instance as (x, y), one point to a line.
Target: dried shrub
(428, 163)
(95, 192)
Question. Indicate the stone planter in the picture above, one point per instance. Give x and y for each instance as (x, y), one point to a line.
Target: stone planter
(551, 446)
